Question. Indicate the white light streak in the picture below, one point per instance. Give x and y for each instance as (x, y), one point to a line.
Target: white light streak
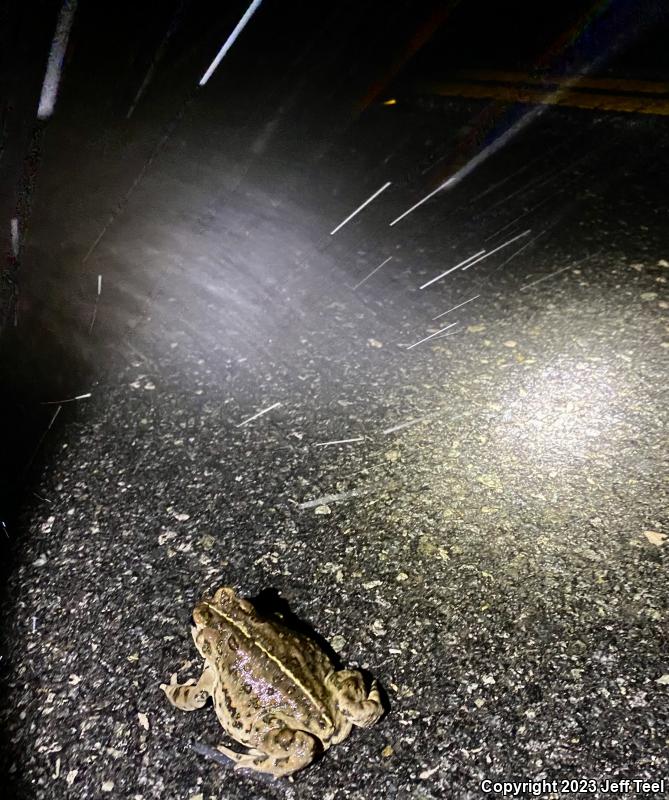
(330, 498)
(259, 414)
(431, 336)
(70, 400)
(95, 307)
(444, 335)
(520, 249)
(545, 278)
(497, 249)
(47, 101)
(340, 441)
(230, 41)
(424, 200)
(376, 269)
(403, 425)
(14, 229)
(452, 269)
(443, 314)
(359, 208)
(34, 621)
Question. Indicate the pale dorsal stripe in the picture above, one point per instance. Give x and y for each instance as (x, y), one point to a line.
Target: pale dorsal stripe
(242, 628)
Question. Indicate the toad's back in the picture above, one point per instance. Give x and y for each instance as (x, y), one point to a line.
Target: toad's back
(262, 667)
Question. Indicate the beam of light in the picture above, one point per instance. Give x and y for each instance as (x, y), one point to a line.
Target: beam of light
(431, 336)
(499, 247)
(488, 151)
(581, 28)
(391, 102)
(340, 441)
(99, 285)
(47, 100)
(14, 230)
(452, 269)
(259, 414)
(359, 208)
(443, 314)
(230, 41)
(69, 400)
(376, 269)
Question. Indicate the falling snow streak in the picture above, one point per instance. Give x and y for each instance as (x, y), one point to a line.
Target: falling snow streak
(491, 115)
(431, 336)
(47, 100)
(403, 425)
(478, 159)
(340, 441)
(120, 206)
(498, 248)
(41, 439)
(250, 11)
(524, 247)
(559, 272)
(533, 209)
(330, 498)
(443, 314)
(95, 307)
(359, 208)
(452, 269)
(69, 400)
(376, 269)
(259, 414)
(450, 333)
(156, 59)
(14, 233)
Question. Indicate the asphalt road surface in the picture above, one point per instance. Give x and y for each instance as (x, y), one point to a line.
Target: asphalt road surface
(488, 541)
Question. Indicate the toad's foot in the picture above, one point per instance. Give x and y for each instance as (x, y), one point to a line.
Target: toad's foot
(281, 752)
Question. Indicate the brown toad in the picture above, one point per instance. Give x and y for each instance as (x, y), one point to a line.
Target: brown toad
(274, 690)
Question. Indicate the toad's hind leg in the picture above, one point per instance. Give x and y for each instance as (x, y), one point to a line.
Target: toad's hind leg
(190, 696)
(353, 701)
(282, 751)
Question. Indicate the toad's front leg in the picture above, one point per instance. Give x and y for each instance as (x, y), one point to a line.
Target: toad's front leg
(353, 701)
(281, 752)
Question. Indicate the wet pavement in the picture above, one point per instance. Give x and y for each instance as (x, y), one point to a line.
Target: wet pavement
(491, 543)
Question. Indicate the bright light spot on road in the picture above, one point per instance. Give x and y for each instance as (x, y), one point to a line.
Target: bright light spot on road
(391, 102)
(562, 416)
